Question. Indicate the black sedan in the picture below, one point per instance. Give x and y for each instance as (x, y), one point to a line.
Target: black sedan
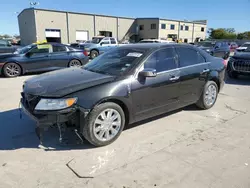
(40, 58)
(124, 85)
(7, 47)
(239, 64)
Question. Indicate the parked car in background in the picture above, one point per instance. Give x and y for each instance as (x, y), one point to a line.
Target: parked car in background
(39, 58)
(233, 46)
(136, 81)
(155, 41)
(80, 45)
(239, 63)
(99, 45)
(6, 46)
(217, 49)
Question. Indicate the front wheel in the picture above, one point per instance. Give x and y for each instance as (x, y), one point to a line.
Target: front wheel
(104, 124)
(209, 95)
(12, 70)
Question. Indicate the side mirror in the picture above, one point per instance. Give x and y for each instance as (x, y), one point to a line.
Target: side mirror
(101, 43)
(148, 73)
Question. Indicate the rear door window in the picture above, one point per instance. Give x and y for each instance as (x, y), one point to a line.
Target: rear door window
(188, 57)
(162, 60)
(113, 41)
(59, 48)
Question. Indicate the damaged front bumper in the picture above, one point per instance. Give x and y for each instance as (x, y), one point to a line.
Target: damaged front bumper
(73, 116)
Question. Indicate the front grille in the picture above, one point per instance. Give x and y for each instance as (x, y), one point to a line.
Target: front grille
(30, 101)
(241, 65)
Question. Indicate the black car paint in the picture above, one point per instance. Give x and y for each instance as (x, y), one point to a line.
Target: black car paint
(42, 62)
(239, 63)
(140, 98)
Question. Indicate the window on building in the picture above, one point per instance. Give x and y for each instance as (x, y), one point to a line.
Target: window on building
(172, 26)
(59, 48)
(163, 26)
(188, 56)
(202, 29)
(186, 40)
(112, 41)
(181, 27)
(186, 28)
(161, 60)
(141, 27)
(153, 26)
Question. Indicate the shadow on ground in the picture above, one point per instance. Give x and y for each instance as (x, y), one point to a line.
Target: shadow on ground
(241, 80)
(19, 133)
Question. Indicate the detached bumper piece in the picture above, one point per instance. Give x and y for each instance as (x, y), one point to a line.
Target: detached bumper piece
(46, 119)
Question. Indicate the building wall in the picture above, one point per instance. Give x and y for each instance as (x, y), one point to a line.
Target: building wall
(163, 33)
(80, 22)
(186, 34)
(125, 27)
(106, 24)
(27, 27)
(148, 33)
(198, 32)
(51, 20)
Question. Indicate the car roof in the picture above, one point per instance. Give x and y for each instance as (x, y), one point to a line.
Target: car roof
(153, 45)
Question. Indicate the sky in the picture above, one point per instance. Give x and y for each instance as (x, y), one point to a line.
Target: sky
(219, 13)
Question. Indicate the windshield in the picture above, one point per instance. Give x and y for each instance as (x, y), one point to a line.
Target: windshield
(244, 48)
(206, 44)
(115, 62)
(24, 49)
(96, 40)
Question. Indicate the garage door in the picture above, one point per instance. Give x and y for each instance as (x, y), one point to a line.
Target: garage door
(55, 33)
(82, 35)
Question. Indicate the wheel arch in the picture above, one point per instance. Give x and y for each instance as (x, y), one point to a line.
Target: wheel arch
(95, 50)
(74, 58)
(214, 76)
(119, 102)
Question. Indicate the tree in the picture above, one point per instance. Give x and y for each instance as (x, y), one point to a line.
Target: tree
(244, 35)
(222, 33)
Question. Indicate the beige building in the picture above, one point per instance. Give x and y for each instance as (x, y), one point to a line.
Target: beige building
(68, 27)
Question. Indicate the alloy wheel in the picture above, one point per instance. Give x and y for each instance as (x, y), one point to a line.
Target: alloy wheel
(12, 70)
(210, 95)
(75, 63)
(107, 125)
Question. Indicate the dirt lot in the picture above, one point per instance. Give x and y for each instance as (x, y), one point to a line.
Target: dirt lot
(186, 148)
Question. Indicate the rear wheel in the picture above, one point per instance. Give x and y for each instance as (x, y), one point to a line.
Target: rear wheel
(104, 124)
(94, 54)
(75, 63)
(209, 95)
(12, 70)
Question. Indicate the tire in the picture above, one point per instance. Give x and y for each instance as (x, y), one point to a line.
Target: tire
(75, 63)
(202, 101)
(11, 70)
(94, 54)
(91, 126)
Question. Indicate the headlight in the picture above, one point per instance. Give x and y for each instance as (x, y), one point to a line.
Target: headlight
(55, 104)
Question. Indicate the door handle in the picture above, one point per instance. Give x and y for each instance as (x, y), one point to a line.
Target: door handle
(173, 78)
(205, 70)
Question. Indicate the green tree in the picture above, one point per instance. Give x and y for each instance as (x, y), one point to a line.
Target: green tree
(222, 33)
(244, 35)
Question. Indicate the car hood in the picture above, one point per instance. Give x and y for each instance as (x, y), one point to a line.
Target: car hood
(63, 82)
(7, 55)
(242, 55)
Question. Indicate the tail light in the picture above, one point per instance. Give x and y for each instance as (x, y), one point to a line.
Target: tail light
(85, 53)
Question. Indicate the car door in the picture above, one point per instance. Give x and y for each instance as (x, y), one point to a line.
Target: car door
(38, 58)
(219, 50)
(59, 57)
(194, 72)
(155, 95)
(105, 45)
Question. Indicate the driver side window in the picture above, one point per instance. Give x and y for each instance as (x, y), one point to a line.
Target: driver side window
(39, 50)
(161, 60)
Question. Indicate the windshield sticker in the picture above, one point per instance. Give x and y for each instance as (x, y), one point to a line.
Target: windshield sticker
(44, 46)
(134, 54)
